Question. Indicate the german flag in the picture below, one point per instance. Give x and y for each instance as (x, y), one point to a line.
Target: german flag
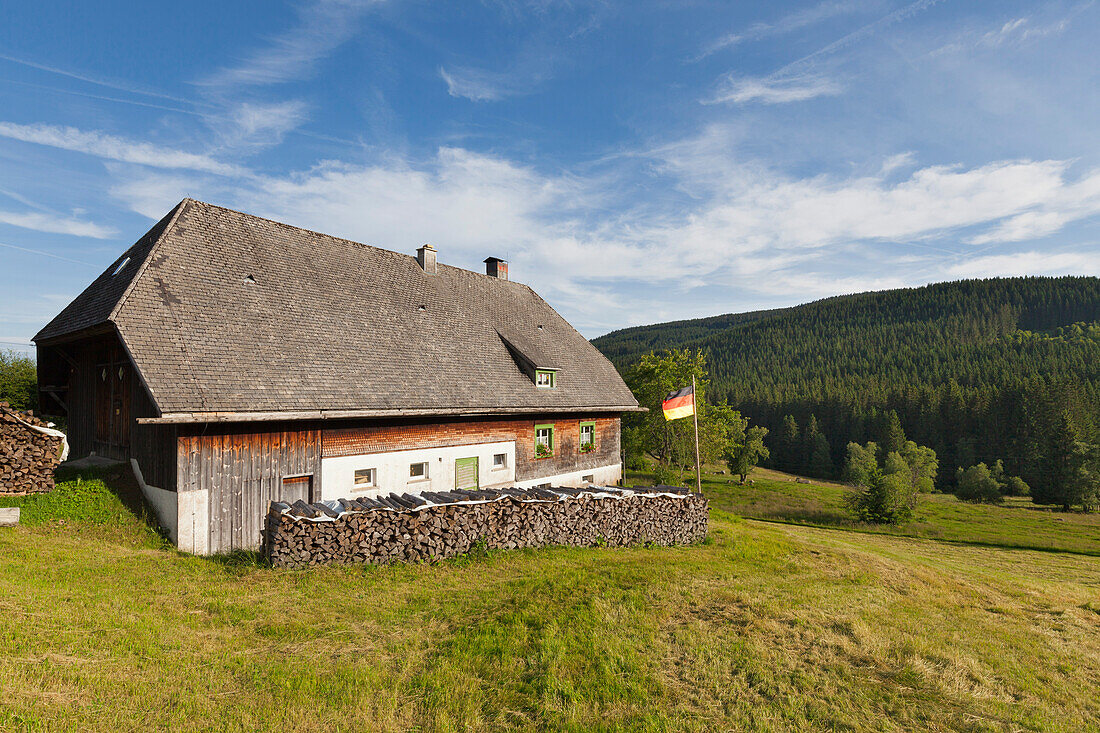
(680, 403)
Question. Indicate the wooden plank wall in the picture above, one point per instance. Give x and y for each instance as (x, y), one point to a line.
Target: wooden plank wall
(154, 446)
(55, 369)
(242, 469)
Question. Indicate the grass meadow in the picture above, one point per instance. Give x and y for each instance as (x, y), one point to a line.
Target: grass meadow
(764, 627)
(778, 497)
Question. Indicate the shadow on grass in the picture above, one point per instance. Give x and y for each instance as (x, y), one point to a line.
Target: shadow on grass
(240, 560)
(119, 481)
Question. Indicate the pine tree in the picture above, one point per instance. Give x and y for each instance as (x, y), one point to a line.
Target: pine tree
(787, 444)
(1058, 461)
(821, 460)
(892, 439)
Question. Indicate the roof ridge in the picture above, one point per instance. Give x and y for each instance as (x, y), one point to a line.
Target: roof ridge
(148, 258)
(284, 225)
(356, 242)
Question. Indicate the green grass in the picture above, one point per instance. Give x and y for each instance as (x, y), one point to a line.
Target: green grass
(777, 497)
(763, 627)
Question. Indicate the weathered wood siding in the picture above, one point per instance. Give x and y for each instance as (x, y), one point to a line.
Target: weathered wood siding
(154, 446)
(242, 468)
(76, 366)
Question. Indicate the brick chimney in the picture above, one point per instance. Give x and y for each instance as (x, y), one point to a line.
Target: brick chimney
(496, 267)
(426, 257)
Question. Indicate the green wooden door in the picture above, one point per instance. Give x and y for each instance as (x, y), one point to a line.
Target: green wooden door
(466, 473)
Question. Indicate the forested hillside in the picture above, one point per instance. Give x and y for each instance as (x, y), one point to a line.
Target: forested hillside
(980, 370)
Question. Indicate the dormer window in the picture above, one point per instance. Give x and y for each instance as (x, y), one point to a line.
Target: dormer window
(545, 379)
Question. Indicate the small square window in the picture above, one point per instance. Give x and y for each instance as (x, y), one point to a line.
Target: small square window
(418, 470)
(365, 477)
(589, 479)
(545, 379)
(500, 460)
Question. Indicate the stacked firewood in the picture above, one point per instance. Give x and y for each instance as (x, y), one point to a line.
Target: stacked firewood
(27, 457)
(372, 531)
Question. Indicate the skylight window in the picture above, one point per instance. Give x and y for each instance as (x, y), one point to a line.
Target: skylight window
(125, 261)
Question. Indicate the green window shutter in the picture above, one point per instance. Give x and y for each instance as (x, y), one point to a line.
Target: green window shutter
(466, 473)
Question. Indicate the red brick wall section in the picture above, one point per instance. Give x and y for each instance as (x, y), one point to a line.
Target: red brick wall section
(382, 438)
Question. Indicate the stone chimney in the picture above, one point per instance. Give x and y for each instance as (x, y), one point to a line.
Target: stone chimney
(496, 267)
(426, 257)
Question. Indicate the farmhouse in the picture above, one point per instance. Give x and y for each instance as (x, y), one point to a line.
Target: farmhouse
(237, 361)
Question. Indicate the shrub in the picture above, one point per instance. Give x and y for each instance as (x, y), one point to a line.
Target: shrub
(977, 485)
(1016, 486)
(888, 498)
(665, 475)
(18, 381)
(861, 465)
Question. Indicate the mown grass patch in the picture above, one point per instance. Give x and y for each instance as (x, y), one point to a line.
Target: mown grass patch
(762, 627)
(779, 497)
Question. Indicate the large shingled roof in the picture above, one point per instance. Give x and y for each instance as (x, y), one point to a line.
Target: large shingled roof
(226, 313)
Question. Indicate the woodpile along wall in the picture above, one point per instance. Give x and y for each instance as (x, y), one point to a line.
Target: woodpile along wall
(432, 525)
(27, 457)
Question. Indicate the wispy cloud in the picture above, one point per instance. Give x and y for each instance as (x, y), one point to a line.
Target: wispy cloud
(261, 124)
(861, 33)
(786, 24)
(98, 81)
(323, 25)
(775, 90)
(1019, 264)
(478, 85)
(1015, 32)
(111, 147)
(43, 222)
(796, 81)
(52, 255)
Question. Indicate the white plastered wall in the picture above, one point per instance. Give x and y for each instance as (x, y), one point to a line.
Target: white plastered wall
(392, 470)
(162, 501)
(193, 521)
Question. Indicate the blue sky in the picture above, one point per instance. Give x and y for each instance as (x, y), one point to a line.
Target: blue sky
(636, 162)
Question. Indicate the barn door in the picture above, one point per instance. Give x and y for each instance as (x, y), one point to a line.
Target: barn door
(112, 404)
(466, 473)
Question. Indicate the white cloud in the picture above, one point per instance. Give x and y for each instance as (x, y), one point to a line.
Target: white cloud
(746, 229)
(786, 24)
(260, 124)
(476, 84)
(110, 147)
(54, 224)
(323, 25)
(898, 161)
(1019, 31)
(1009, 34)
(1028, 263)
(775, 90)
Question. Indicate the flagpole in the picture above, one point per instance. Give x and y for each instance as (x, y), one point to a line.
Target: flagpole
(695, 414)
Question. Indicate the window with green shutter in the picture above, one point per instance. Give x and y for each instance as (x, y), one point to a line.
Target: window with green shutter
(588, 437)
(544, 441)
